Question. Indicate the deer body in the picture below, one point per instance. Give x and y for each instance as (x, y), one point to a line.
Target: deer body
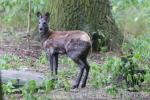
(64, 41)
(76, 44)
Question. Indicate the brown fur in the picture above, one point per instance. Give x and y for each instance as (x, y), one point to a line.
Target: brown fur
(61, 39)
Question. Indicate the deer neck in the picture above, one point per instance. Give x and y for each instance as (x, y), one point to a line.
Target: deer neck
(44, 36)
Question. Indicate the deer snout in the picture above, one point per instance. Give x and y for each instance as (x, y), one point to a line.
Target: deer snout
(40, 29)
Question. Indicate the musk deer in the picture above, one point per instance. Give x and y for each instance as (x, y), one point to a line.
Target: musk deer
(75, 44)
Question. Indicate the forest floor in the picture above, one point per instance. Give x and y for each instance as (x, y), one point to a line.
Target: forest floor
(17, 45)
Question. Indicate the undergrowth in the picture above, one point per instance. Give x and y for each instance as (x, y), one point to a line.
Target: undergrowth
(8, 61)
(132, 16)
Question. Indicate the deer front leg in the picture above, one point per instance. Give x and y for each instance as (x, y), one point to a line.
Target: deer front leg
(87, 68)
(50, 57)
(55, 63)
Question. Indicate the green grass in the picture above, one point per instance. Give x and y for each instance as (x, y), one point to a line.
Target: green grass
(43, 59)
(9, 61)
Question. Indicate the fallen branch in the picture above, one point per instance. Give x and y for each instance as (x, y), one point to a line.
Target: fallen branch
(21, 77)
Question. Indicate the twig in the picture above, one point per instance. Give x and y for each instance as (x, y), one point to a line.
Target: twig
(1, 95)
(29, 25)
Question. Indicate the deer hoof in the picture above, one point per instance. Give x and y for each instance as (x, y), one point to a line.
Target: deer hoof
(74, 87)
(54, 79)
(83, 86)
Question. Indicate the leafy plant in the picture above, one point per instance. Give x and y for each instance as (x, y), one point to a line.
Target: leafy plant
(124, 68)
(49, 85)
(8, 88)
(99, 40)
(9, 61)
(43, 58)
(140, 47)
(131, 73)
(28, 90)
(62, 82)
(112, 90)
(16, 7)
(95, 79)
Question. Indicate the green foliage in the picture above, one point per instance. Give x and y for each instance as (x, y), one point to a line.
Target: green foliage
(147, 80)
(8, 61)
(63, 83)
(140, 47)
(8, 88)
(129, 71)
(147, 77)
(28, 90)
(125, 4)
(15, 7)
(132, 15)
(16, 11)
(112, 65)
(112, 90)
(49, 85)
(125, 67)
(99, 40)
(43, 58)
(95, 79)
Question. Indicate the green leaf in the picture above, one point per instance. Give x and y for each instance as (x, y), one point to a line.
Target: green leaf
(49, 85)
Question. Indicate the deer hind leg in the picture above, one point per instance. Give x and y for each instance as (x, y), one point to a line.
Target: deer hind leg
(78, 51)
(82, 67)
(87, 68)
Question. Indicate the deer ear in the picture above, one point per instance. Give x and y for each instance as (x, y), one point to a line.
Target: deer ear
(47, 14)
(38, 14)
